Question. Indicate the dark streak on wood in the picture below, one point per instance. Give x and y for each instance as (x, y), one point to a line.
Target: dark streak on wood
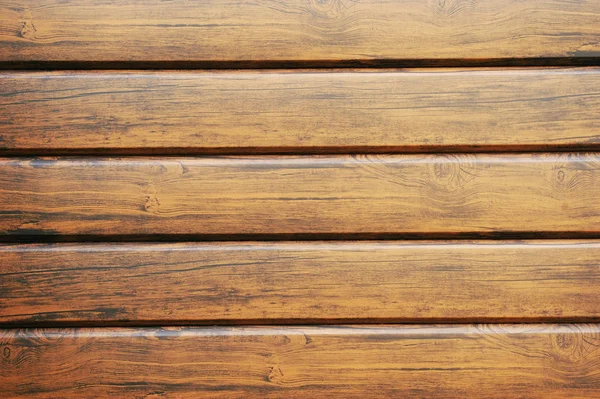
(27, 65)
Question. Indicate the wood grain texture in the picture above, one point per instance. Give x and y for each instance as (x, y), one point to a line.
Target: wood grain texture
(92, 30)
(277, 283)
(300, 196)
(249, 112)
(474, 361)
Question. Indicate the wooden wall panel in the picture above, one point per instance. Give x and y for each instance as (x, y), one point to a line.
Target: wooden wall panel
(294, 112)
(374, 195)
(298, 282)
(273, 30)
(314, 195)
(474, 361)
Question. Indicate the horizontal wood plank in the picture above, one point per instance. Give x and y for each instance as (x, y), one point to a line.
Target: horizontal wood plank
(286, 196)
(297, 30)
(306, 112)
(475, 361)
(277, 283)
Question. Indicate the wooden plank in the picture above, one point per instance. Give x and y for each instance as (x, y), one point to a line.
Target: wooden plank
(250, 112)
(479, 361)
(147, 30)
(309, 196)
(296, 282)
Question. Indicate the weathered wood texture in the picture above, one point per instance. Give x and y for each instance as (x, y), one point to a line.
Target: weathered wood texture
(301, 282)
(479, 361)
(249, 112)
(370, 195)
(263, 30)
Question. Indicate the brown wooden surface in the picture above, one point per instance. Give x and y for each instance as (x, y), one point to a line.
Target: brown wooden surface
(481, 361)
(301, 196)
(249, 112)
(300, 282)
(264, 30)
(195, 122)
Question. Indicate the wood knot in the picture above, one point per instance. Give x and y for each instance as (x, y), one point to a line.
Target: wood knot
(447, 173)
(572, 346)
(6, 352)
(563, 179)
(443, 171)
(307, 340)
(564, 341)
(452, 7)
(329, 9)
(28, 29)
(275, 374)
(151, 203)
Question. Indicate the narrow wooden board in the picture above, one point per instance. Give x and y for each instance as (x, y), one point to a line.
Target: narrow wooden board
(297, 30)
(475, 361)
(311, 197)
(313, 282)
(303, 112)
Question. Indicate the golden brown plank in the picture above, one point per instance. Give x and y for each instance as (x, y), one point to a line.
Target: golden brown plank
(300, 282)
(475, 361)
(301, 196)
(249, 112)
(297, 30)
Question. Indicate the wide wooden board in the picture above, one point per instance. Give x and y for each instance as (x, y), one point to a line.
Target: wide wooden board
(296, 30)
(302, 197)
(302, 112)
(474, 361)
(298, 282)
